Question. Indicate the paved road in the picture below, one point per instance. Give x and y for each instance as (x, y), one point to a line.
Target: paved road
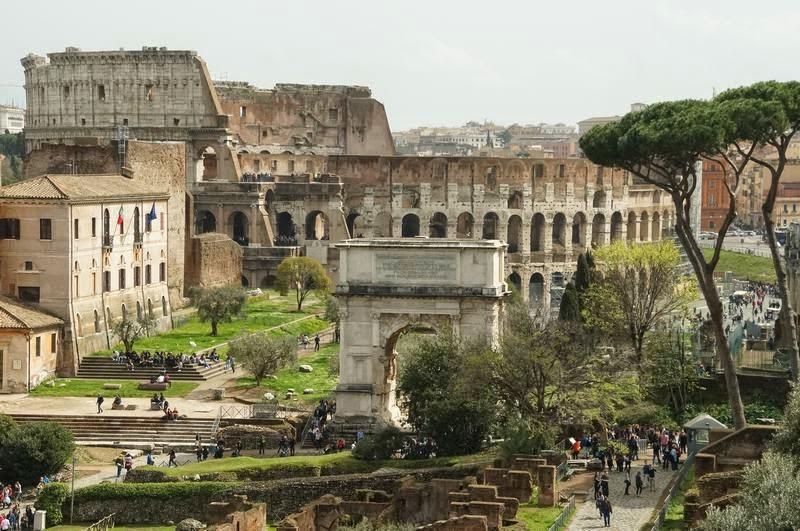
(629, 512)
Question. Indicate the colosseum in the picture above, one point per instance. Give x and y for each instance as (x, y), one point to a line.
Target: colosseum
(294, 169)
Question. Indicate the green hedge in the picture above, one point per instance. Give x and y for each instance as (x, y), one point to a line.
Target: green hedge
(157, 491)
(51, 500)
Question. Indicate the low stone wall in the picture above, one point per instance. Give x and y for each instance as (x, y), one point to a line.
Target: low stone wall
(734, 451)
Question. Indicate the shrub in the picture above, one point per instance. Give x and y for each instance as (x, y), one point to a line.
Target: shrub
(787, 440)
(51, 499)
(380, 445)
(33, 449)
(645, 414)
(526, 438)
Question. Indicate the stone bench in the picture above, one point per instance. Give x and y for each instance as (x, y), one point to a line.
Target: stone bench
(112, 386)
(123, 407)
(147, 386)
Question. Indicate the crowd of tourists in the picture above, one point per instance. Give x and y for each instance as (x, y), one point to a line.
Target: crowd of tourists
(283, 240)
(668, 446)
(250, 177)
(164, 360)
(318, 430)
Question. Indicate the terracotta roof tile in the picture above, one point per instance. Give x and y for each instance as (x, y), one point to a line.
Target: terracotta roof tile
(79, 187)
(15, 314)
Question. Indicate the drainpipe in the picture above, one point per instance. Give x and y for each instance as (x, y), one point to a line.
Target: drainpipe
(28, 379)
(71, 318)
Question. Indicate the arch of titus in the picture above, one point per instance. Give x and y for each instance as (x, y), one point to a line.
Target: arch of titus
(389, 285)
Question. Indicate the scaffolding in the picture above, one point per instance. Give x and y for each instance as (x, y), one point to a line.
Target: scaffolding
(122, 144)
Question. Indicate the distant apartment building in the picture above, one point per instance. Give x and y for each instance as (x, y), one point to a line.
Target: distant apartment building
(90, 250)
(714, 197)
(12, 119)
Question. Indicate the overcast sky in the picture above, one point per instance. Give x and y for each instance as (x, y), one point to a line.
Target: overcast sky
(438, 62)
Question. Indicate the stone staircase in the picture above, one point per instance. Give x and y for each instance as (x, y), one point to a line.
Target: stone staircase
(104, 368)
(130, 432)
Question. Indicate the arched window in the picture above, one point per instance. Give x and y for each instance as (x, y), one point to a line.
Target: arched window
(78, 325)
(164, 306)
(559, 231)
(515, 280)
(138, 310)
(616, 227)
(537, 233)
(96, 321)
(316, 226)
(205, 222)
(490, 225)
(536, 289)
(465, 225)
(438, 226)
(106, 227)
(410, 226)
(514, 234)
(150, 309)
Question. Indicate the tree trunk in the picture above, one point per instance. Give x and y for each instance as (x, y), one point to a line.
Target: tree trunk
(705, 280)
(788, 325)
(213, 328)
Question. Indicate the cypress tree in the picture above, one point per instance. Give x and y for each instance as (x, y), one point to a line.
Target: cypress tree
(570, 307)
(582, 274)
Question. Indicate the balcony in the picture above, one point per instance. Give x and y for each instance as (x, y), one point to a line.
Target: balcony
(137, 239)
(108, 242)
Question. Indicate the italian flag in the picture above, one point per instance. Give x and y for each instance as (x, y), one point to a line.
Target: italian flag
(119, 216)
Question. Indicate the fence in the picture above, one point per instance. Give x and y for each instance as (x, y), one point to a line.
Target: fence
(673, 490)
(563, 518)
(103, 524)
(231, 412)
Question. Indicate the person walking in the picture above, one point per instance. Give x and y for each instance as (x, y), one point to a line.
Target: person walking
(652, 482)
(316, 343)
(120, 462)
(262, 445)
(605, 511)
(172, 461)
(100, 401)
(639, 483)
(627, 482)
(604, 484)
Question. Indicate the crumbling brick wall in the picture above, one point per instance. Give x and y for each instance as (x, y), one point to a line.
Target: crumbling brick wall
(214, 260)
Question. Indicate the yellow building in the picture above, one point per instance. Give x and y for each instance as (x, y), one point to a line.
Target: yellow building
(90, 249)
(30, 346)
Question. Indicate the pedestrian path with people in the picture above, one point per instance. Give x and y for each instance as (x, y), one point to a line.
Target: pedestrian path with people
(627, 512)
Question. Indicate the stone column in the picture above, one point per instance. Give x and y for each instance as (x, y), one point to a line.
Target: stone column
(525, 237)
(501, 231)
(548, 489)
(222, 225)
(255, 218)
(548, 236)
(644, 228)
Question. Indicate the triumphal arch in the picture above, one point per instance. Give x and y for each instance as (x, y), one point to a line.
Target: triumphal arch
(386, 286)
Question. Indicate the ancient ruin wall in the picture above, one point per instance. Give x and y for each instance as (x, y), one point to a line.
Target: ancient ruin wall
(159, 94)
(160, 164)
(214, 260)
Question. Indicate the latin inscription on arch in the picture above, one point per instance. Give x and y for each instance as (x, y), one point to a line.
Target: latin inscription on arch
(424, 268)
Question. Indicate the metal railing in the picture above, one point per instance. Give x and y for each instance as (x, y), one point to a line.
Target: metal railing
(103, 524)
(231, 412)
(563, 518)
(673, 490)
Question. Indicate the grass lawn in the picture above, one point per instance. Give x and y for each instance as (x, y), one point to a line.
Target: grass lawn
(320, 380)
(78, 387)
(674, 517)
(744, 266)
(260, 312)
(537, 518)
(341, 463)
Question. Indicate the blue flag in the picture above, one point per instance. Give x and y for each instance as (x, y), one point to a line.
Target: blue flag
(152, 216)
